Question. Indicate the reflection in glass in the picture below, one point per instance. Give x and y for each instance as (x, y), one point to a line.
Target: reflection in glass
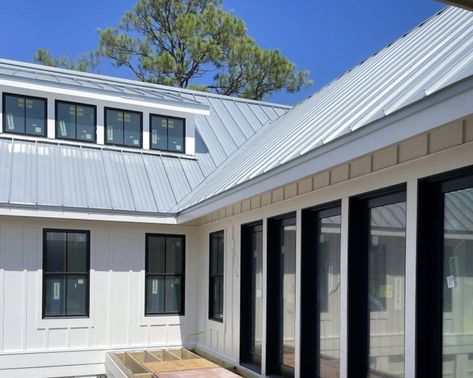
(386, 278)
(164, 274)
(458, 284)
(256, 332)
(328, 255)
(288, 285)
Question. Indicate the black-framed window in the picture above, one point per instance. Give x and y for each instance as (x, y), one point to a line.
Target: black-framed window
(376, 282)
(76, 121)
(123, 128)
(251, 296)
(320, 290)
(168, 133)
(165, 274)
(444, 302)
(24, 114)
(216, 276)
(66, 257)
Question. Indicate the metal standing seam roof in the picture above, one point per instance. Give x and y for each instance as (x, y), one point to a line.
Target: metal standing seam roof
(99, 178)
(239, 140)
(433, 55)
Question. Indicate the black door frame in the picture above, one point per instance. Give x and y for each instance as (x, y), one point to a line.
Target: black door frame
(310, 312)
(358, 248)
(247, 359)
(274, 356)
(429, 279)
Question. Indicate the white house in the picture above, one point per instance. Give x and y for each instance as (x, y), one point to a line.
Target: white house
(332, 239)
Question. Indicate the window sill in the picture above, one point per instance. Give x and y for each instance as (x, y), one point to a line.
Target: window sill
(162, 319)
(65, 322)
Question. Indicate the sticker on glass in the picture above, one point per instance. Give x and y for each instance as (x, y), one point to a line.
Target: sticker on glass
(11, 122)
(451, 282)
(154, 289)
(154, 136)
(62, 128)
(56, 291)
(80, 281)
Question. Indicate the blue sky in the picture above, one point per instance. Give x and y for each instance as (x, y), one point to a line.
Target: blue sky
(326, 37)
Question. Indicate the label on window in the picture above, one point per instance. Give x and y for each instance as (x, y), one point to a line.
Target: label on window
(154, 288)
(88, 136)
(451, 282)
(110, 132)
(398, 293)
(453, 261)
(38, 129)
(80, 281)
(154, 136)
(136, 142)
(62, 128)
(386, 291)
(178, 147)
(10, 122)
(56, 291)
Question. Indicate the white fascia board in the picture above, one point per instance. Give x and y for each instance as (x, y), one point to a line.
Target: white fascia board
(440, 108)
(84, 94)
(81, 215)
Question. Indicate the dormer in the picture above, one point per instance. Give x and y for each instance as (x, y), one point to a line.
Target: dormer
(92, 109)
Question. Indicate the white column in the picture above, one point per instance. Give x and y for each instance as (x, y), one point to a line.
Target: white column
(146, 131)
(50, 121)
(410, 289)
(100, 125)
(344, 290)
(265, 296)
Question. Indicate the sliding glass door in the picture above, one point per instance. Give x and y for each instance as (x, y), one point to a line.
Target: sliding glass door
(376, 295)
(251, 308)
(445, 276)
(281, 314)
(320, 290)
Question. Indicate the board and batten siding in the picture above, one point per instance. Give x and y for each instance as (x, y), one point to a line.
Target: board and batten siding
(117, 286)
(447, 148)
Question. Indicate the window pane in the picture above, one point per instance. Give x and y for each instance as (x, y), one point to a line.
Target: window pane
(76, 252)
(66, 120)
(35, 116)
(86, 123)
(76, 295)
(55, 252)
(159, 132)
(213, 254)
(173, 294)
(288, 285)
(155, 295)
(156, 254)
(386, 279)
(132, 124)
(458, 284)
(55, 295)
(174, 255)
(220, 253)
(176, 135)
(216, 299)
(328, 284)
(114, 127)
(14, 114)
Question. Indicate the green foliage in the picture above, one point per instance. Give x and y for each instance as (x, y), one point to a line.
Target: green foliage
(179, 42)
(87, 62)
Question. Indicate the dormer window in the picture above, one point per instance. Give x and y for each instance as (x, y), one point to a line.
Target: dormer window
(167, 133)
(123, 128)
(75, 121)
(24, 115)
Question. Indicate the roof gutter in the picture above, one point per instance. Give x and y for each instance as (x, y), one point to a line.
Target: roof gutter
(444, 106)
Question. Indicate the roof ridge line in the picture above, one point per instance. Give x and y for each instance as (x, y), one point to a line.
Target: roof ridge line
(131, 82)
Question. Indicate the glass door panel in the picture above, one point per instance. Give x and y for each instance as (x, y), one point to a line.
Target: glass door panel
(386, 280)
(288, 294)
(251, 332)
(457, 320)
(328, 283)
